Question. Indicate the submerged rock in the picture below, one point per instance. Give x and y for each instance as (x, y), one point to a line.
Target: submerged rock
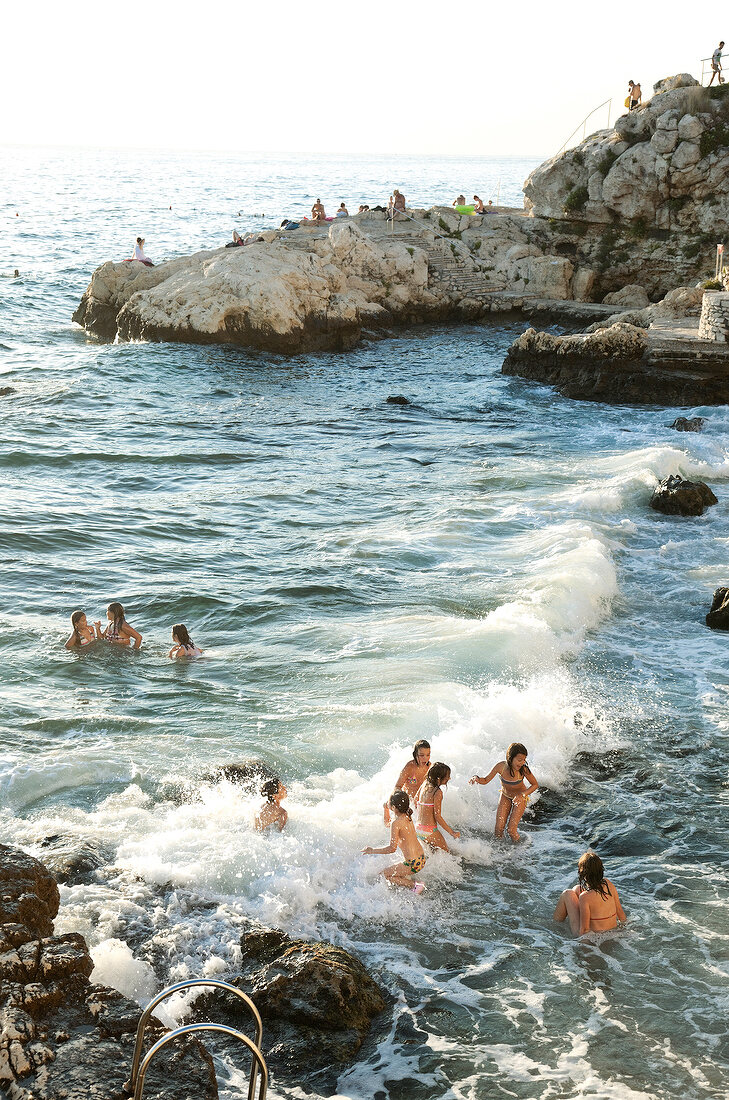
(718, 616)
(683, 424)
(398, 399)
(317, 1002)
(676, 496)
(73, 860)
(61, 1036)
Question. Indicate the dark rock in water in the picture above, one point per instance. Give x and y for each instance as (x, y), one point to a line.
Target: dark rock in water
(684, 424)
(28, 893)
(718, 617)
(249, 773)
(73, 861)
(317, 1002)
(60, 1036)
(677, 497)
(5, 390)
(398, 399)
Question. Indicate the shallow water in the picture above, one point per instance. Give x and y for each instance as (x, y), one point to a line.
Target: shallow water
(478, 567)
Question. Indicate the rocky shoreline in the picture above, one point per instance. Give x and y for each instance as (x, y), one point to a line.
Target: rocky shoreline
(62, 1036)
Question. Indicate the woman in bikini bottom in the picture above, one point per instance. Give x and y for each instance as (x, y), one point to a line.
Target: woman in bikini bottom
(593, 905)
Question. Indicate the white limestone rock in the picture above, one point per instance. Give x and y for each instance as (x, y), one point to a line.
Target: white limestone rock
(632, 296)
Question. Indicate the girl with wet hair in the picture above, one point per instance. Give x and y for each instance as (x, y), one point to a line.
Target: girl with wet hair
(272, 812)
(402, 836)
(517, 783)
(430, 800)
(119, 631)
(411, 777)
(82, 634)
(593, 904)
(184, 645)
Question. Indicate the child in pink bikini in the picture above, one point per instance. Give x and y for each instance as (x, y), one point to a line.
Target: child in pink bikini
(430, 799)
(402, 836)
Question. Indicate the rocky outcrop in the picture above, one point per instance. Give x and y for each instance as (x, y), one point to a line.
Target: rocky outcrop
(61, 1036)
(718, 616)
(317, 1002)
(675, 496)
(267, 295)
(685, 424)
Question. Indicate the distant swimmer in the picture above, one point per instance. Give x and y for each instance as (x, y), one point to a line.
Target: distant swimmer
(272, 812)
(430, 801)
(411, 777)
(184, 645)
(402, 836)
(119, 631)
(317, 212)
(593, 904)
(514, 773)
(83, 634)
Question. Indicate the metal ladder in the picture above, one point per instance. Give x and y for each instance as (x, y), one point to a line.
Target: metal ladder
(134, 1087)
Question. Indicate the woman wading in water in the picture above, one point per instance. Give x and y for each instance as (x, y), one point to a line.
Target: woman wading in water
(119, 631)
(593, 905)
(430, 799)
(411, 777)
(83, 634)
(514, 773)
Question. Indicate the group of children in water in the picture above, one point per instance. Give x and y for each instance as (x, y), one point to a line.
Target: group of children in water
(119, 632)
(590, 906)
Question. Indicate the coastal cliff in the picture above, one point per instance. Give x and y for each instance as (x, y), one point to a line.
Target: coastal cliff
(624, 217)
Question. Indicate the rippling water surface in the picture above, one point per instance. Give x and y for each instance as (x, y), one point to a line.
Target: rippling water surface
(478, 567)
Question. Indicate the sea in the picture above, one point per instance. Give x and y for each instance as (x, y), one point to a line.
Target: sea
(478, 567)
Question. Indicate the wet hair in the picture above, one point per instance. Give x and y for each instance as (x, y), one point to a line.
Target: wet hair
(437, 774)
(418, 746)
(140, 240)
(180, 632)
(516, 749)
(74, 623)
(269, 790)
(592, 874)
(400, 802)
(118, 612)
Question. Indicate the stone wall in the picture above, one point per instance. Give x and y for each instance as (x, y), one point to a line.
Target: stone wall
(714, 323)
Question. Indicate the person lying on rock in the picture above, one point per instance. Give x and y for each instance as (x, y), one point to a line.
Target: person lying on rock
(271, 812)
(593, 905)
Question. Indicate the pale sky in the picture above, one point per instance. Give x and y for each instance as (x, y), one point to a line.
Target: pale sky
(336, 77)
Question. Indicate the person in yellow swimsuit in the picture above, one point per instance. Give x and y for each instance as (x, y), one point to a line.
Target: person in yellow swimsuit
(402, 836)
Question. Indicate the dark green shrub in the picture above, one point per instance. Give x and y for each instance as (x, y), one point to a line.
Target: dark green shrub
(576, 199)
(638, 229)
(578, 157)
(712, 284)
(692, 249)
(607, 162)
(716, 137)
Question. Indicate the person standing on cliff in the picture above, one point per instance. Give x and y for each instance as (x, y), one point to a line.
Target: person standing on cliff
(716, 65)
(634, 95)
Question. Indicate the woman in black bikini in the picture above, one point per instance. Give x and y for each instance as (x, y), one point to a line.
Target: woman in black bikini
(593, 905)
(514, 773)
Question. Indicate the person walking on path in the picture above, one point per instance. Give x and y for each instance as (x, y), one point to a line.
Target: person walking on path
(716, 65)
(634, 95)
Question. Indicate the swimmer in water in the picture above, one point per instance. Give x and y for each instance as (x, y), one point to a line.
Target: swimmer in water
(429, 801)
(411, 777)
(272, 812)
(184, 645)
(514, 773)
(402, 836)
(593, 904)
(83, 634)
(119, 631)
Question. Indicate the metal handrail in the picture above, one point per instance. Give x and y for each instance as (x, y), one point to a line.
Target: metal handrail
(130, 1085)
(187, 1029)
(583, 124)
(704, 70)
